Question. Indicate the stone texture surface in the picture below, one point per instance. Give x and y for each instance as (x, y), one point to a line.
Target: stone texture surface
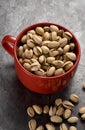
(15, 15)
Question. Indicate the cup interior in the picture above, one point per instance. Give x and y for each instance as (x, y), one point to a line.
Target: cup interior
(74, 39)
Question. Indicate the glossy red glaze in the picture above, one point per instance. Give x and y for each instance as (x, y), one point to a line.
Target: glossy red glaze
(39, 84)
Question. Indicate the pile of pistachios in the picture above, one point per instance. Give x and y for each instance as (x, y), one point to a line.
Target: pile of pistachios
(61, 112)
(47, 51)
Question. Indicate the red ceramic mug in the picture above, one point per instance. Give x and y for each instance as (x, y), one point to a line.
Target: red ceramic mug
(39, 84)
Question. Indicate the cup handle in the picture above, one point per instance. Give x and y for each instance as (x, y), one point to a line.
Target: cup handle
(8, 43)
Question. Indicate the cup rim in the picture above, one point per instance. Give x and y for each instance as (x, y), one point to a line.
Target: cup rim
(47, 24)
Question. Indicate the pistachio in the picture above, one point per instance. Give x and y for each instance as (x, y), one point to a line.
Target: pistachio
(32, 124)
(50, 59)
(45, 49)
(56, 119)
(28, 53)
(30, 112)
(37, 51)
(74, 98)
(25, 47)
(72, 128)
(46, 28)
(53, 52)
(83, 117)
(83, 85)
(35, 66)
(45, 43)
(63, 42)
(23, 39)
(40, 72)
(20, 60)
(54, 36)
(58, 102)
(54, 28)
(53, 44)
(52, 111)
(50, 126)
(82, 110)
(66, 48)
(59, 71)
(58, 63)
(39, 30)
(67, 113)
(46, 109)
(27, 66)
(73, 119)
(67, 65)
(37, 39)
(29, 36)
(30, 43)
(68, 104)
(37, 109)
(60, 32)
(63, 127)
(51, 71)
(42, 59)
(32, 32)
(40, 127)
(67, 35)
(71, 56)
(20, 51)
(60, 111)
(46, 36)
(72, 46)
(60, 50)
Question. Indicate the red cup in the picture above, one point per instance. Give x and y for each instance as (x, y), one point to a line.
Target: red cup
(39, 84)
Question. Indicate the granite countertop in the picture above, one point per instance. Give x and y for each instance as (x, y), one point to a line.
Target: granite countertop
(15, 15)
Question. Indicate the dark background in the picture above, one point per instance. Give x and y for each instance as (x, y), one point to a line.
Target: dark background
(15, 15)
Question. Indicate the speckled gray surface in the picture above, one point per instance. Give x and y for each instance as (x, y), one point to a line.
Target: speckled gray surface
(15, 15)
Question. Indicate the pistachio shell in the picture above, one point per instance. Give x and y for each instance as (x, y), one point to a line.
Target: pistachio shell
(27, 66)
(45, 49)
(71, 56)
(37, 39)
(67, 113)
(53, 52)
(66, 48)
(23, 39)
(63, 127)
(46, 28)
(37, 109)
(74, 98)
(73, 119)
(54, 36)
(50, 59)
(82, 110)
(54, 28)
(58, 63)
(68, 35)
(72, 128)
(50, 126)
(68, 104)
(56, 119)
(67, 65)
(42, 59)
(50, 71)
(39, 30)
(63, 42)
(32, 124)
(53, 44)
(46, 36)
(59, 71)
